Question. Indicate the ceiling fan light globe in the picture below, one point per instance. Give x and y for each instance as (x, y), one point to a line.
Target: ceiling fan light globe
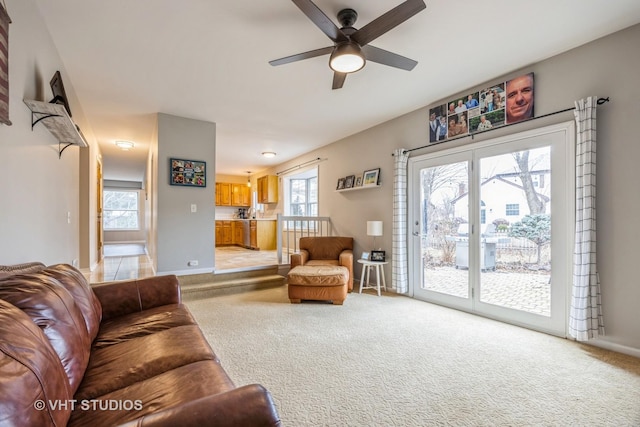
(347, 58)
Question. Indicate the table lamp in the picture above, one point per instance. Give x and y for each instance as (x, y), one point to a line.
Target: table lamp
(374, 229)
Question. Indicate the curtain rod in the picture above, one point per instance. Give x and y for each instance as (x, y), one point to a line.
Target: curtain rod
(472, 135)
(310, 162)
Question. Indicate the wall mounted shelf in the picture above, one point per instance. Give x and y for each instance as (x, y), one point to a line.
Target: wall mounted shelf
(358, 188)
(55, 118)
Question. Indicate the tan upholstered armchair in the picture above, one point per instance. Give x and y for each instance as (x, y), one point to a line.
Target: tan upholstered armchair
(327, 250)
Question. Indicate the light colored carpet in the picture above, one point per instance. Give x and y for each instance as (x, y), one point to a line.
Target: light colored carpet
(395, 361)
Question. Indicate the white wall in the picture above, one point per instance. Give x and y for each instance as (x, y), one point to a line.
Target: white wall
(181, 235)
(605, 67)
(38, 190)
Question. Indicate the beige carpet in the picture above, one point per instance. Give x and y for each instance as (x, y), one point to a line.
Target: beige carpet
(395, 361)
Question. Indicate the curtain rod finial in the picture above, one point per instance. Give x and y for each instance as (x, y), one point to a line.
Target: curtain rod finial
(603, 100)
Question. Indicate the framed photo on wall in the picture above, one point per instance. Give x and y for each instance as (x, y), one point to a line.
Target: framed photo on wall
(348, 181)
(370, 177)
(190, 173)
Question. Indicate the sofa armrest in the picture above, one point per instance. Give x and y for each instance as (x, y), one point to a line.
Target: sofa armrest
(130, 296)
(299, 258)
(250, 405)
(346, 260)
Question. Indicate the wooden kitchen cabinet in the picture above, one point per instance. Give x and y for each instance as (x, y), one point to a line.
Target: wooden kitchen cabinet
(266, 235)
(253, 234)
(240, 195)
(238, 233)
(224, 234)
(223, 194)
(268, 189)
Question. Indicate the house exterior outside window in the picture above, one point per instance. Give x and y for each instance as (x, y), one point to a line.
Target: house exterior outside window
(512, 209)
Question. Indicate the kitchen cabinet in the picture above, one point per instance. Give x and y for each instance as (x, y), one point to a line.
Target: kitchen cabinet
(268, 189)
(228, 194)
(240, 195)
(223, 194)
(238, 232)
(223, 233)
(250, 234)
(266, 235)
(253, 235)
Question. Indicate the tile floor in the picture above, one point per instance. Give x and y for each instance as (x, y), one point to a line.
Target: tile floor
(130, 261)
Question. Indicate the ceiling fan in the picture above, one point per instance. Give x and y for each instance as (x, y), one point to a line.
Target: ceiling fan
(351, 48)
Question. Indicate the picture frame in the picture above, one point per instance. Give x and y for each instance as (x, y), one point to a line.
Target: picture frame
(365, 256)
(341, 183)
(358, 182)
(377, 256)
(370, 177)
(348, 181)
(188, 173)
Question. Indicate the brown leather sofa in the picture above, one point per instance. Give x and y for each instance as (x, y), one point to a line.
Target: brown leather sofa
(318, 270)
(120, 353)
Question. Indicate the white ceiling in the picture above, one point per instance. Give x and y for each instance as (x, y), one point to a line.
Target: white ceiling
(208, 60)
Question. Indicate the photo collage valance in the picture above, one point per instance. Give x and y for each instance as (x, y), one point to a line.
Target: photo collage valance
(503, 103)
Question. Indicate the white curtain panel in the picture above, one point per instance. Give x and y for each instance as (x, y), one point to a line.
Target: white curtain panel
(399, 265)
(585, 316)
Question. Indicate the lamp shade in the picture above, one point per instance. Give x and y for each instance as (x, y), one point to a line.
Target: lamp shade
(374, 228)
(346, 58)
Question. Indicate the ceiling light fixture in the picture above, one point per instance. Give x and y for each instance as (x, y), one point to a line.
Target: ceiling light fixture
(268, 154)
(125, 145)
(249, 179)
(347, 58)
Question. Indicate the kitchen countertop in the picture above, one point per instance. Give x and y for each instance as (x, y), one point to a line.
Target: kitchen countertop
(245, 219)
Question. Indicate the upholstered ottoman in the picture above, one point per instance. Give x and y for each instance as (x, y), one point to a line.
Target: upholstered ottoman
(318, 283)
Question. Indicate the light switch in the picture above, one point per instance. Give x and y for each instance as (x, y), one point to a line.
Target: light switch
(194, 208)
(68, 217)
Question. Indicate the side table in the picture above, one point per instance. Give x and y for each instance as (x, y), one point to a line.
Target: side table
(366, 274)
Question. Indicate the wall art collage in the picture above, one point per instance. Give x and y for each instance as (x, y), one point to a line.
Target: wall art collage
(503, 103)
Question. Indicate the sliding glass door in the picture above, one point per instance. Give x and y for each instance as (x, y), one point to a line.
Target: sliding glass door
(486, 222)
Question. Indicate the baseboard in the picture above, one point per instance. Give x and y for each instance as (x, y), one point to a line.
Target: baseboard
(619, 348)
(126, 242)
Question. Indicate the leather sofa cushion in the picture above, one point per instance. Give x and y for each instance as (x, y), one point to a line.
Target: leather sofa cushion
(326, 247)
(74, 282)
(318, 275)
(27, 267)
(29, 371)
(316, 262)
(139, 324)
(121, 298)
(172, 388)
(141, 358)
(53, 309)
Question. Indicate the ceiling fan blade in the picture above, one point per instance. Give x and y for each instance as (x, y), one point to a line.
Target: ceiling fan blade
(321, 20)
(387, 21)
(385, 57)
(301, 56)
(338, 79)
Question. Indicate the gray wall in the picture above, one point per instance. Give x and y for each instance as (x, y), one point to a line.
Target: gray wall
(181, 235)
(605, 67)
